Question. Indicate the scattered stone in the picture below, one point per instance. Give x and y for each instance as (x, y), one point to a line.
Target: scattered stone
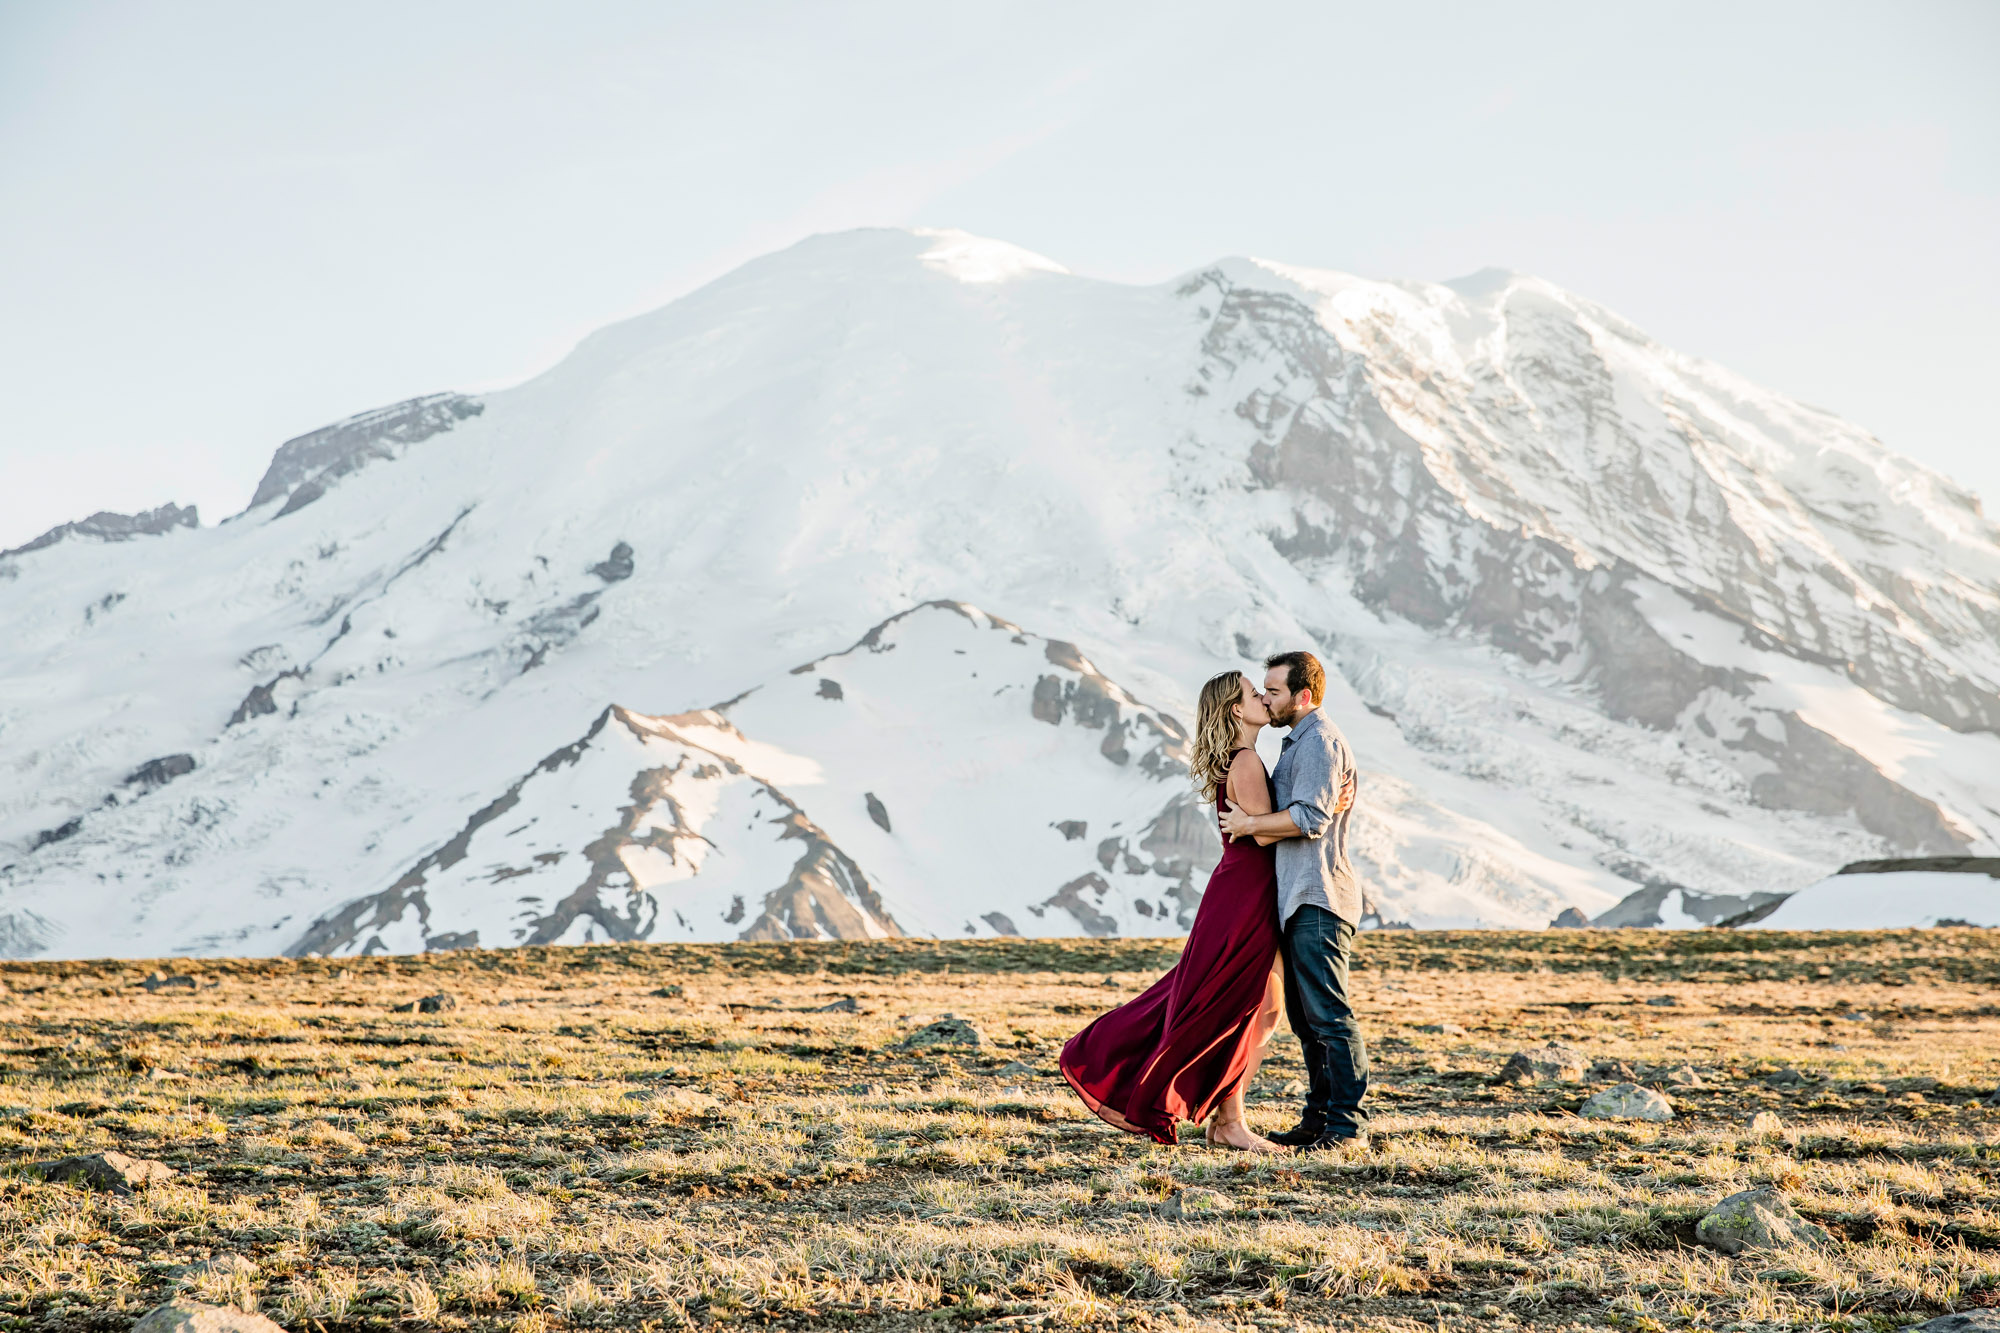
(1872, 1089)
(161, 981)
(111, 1171)
(1767, 1123)
(1552, 1061)
(1013, 1069)
(946, 1031)
(1442, 1029)
(1855, 1017)
(1759, 1219)
(1295, 1088)
(1611, 1071)
(1569, 919)
(666, 993)
(1787, 1077)
(867, 1090)
(1680, 1076)
(430, 1004)
(1186, 1203)
(184, 1316)
(1627, 1101)
(1664, 1001)
(846, 1004)
(1108, 981)
(159, 1075)
(1965, 1321)
(1993, 1098)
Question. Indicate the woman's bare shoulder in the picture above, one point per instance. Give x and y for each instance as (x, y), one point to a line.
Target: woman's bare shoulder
(1246, 762)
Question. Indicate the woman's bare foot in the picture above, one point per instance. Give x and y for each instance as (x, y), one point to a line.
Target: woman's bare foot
(1238, 1134)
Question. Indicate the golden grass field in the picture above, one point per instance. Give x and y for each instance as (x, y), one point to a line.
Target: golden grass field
(579, 1144)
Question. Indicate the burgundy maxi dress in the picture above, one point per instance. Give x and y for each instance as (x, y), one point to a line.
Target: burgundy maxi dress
(1177, 1050)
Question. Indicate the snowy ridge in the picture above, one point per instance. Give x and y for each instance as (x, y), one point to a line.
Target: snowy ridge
(1601, 618)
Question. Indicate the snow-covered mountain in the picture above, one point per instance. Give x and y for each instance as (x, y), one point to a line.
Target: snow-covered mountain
(865, 591)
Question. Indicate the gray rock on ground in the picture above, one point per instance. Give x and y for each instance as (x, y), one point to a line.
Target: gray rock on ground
(1627, 1101)
(110, 1171)
(1186, 1203)
(1563, 1063)
(1665, 1001)
(1965, 1321)
(947, 1031)
(1680, 1076)
(1759, 1219)
(1444, 1029)
(161, 981)
(430, 1004)
(1767, 1122)
(194, 1317)
(1612, 1071)
(846, 1004)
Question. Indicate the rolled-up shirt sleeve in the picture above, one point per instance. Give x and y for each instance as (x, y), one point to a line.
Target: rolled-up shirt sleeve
(1313, 782)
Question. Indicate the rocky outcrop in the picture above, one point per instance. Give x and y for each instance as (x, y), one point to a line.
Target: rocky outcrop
(105, 526)
(1656, 904)
(304, 468)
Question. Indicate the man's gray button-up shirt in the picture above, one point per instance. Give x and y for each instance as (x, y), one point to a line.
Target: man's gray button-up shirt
(1313, 868)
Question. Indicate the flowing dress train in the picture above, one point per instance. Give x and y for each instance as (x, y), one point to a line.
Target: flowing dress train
(1175, 1052)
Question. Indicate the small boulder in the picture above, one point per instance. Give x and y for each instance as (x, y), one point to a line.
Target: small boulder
(1965, 1321)
(1759, 1219)
(184, 1316)
(161, 981)
(1014, 1069)
(1767, 1124)
(1680, 1076)
(1785, 1078)
(947, 1032)
(1186, 1203)
(1627, 1101)
(1552, 1061)
(846, 1004)
(1664, 1001)
(1569, 919)
(113, 1172)
(1611, 1071)
(1442, 1029)
(430, 1004)
(666, 993)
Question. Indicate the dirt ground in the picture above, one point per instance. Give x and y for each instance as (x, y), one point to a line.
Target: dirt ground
(672, 1136)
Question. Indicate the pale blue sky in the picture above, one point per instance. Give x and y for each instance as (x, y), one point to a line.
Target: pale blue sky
(225, 224)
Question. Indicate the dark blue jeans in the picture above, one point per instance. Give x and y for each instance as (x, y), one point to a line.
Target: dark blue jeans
(1317, 947)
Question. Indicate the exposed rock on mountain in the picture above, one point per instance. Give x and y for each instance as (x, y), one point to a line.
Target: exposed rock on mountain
(106, 526)
(303, 468)
(1601, 618)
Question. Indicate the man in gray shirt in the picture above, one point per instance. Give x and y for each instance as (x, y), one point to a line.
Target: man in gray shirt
(1319, 900)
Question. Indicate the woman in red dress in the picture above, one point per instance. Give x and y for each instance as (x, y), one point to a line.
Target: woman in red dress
(1189, 1045)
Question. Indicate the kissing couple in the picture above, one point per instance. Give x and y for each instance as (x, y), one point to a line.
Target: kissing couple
(1283, 901)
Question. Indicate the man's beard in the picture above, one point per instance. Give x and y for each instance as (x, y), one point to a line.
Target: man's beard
(1283, 715)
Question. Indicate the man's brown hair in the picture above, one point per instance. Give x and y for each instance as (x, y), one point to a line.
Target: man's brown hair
(1302, 672)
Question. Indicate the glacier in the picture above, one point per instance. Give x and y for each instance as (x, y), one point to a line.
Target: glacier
(1601, 619)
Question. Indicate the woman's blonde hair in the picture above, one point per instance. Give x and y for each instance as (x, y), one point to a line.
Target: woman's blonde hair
(1215, 733)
